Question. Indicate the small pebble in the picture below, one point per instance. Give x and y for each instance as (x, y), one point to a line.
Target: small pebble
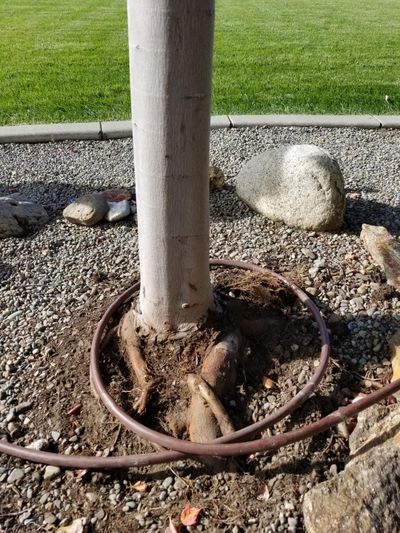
(16, 475)
(51, 472)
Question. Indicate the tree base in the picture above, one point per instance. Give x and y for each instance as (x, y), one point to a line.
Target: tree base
(184, 382)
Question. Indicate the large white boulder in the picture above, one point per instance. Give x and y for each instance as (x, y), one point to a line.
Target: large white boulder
(18, 215)
(300, 185)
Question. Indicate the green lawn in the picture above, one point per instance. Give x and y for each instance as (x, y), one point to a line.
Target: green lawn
(67, 60)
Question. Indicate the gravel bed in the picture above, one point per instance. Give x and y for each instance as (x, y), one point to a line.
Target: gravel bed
(51, 276)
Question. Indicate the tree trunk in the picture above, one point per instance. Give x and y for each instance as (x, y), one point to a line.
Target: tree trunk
(170, 45)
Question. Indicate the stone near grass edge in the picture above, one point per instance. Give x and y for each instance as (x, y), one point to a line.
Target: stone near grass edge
(299, 185)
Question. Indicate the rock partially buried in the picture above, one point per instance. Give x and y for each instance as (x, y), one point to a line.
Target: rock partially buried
(385, 251)
(300, 185)
(216, 177)
(87, 210)
(365, 497)
(18, 215)
(118, 210)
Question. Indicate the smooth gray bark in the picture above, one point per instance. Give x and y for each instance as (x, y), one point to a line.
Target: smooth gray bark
(170, 45)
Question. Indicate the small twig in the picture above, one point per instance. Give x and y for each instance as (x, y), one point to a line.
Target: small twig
(116, 436)
(328, 445)
(8, 515)
(179, 477)
(354, 373)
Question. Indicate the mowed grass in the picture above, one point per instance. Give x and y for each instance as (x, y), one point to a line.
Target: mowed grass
(68, 60)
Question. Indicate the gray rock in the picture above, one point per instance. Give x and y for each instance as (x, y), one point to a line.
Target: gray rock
(365, 497)
(13, 429)
(168, 481)
(100, 514)
(91, 496)
(385, 251)
(44, 497)
(51, 472)
(87, 210)
(55, 435)
(23, 407)
(163, 495)
(300, 185)
(374, 427)
(118, 210)
(16, 475)
(11, 415)
(39, 444)
(49, 518)
(18, 215)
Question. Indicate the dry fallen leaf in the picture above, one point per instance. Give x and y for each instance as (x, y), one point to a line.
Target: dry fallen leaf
(264, 495)
(171, 527)
(269, 383)
(80, 473)
(75, 527)
(190, 515)
(140, 486)
(353, 195)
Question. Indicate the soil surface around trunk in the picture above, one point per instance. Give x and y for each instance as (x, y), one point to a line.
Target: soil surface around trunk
(275, 365)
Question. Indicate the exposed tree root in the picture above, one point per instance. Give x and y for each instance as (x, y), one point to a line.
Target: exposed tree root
(201, 416)
(219, 368)
(197, 385)
(194, 382)
(259, 327)
(131, 348)
(207, 417)
(108, 337)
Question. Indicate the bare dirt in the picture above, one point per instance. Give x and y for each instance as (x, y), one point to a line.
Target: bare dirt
(277, 363)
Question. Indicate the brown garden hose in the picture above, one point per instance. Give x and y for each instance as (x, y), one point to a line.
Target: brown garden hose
(224, 446)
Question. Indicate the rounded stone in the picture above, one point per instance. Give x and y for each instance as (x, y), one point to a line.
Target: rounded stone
(87, 210)
(300, 185)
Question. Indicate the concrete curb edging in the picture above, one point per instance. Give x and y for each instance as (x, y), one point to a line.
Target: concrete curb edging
(121, 129)
(50, 132)
(323, 121)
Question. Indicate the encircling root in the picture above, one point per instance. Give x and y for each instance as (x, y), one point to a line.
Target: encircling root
(197, 385)
(127, 333)
(108, 337)
(207, 418)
